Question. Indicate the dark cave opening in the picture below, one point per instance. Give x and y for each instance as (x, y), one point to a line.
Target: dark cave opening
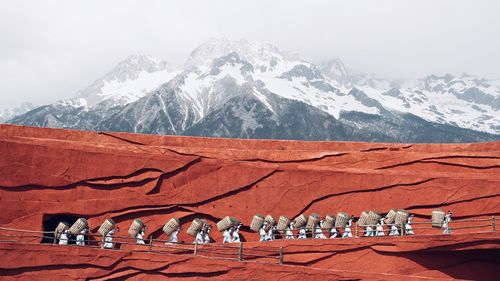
(50, 223)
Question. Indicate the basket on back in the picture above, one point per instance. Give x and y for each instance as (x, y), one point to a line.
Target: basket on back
(61, 227)
(312, 221)
(373, 218)
(341, 220)
(257, 222)
(135, 228)
(363, 219)
(401, 217)
(283, 223)
(437, 218)
(300, 221)
(390, 217)
(270, 222)
(226, 223)
(106, 227)
(329, 221)
(195, 226)
(78, 226)
(171, 226)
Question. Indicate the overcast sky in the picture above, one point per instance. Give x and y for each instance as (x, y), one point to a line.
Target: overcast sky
(50, 50)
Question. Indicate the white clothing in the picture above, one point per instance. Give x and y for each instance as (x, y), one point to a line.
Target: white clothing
(199, 237)
(80, 238)
(262, 234)
(380, 228)
(369, 231)
(347, 230)
(394, 231)
(446, 224)
(302, 233)
(318, 232)
(289, 232)
(271, 234)
(108, 240)
(227, 236)
(206, 237)
(236, 235)
(173, 236)
(408, 228)
(63, 239)
(140, 238)
(333, 233)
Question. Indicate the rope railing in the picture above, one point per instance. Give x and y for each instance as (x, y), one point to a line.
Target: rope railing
(359, 230)
(150, 245)
(234, 250)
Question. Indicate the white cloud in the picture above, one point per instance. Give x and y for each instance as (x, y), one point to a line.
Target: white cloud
(52, 49)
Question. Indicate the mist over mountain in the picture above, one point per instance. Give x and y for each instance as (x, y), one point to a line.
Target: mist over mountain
(245, 89)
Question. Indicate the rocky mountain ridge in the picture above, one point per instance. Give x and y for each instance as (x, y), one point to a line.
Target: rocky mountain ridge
(254, 90)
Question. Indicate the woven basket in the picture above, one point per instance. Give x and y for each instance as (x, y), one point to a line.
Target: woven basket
(171, 226)
(257, 222)
(135, 228)
(195, 226)
(61, 227)
(78, 226)
(329, 221)
(373, 217)
(341, 220)
(226, 223)
(270, 222)
(300, 221)
(390, 217)
(437, 218)
(312, 221)
(106, 227)
(363, 219)
(401, 217)
(283, 223)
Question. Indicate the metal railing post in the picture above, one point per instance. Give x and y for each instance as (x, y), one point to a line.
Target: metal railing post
(150, 243)
(281, 255)
(240, 252)
(493, 223)
(195, 251)
(356, 227)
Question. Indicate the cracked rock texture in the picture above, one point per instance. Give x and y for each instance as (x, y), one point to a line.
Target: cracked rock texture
(47, 172)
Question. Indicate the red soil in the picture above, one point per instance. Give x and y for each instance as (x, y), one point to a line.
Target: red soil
(46, 172)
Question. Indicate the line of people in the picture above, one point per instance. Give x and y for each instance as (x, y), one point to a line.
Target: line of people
(232, 234)
(267, 232)
(64, 237)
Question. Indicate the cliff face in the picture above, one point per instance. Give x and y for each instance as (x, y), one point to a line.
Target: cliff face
(48, 174)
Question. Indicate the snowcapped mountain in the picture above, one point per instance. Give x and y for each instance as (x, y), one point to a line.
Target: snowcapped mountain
(335, 70)
(254, 90)
(130, 80)
(8, 113)
(464, 101)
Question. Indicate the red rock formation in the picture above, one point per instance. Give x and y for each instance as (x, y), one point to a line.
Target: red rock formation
(45, 173)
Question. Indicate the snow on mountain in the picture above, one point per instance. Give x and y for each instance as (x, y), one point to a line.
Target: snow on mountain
(144, 94)
(263, 56)
(335, 70)
(284, 74)
(462, 100)
(9, 113)
(130, 80)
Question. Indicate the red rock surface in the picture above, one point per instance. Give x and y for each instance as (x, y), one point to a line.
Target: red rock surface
(47, 172)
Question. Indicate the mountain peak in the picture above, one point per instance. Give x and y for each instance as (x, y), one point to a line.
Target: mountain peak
(335, 70)
(136, 63)
(252, 52)
(130, 80)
